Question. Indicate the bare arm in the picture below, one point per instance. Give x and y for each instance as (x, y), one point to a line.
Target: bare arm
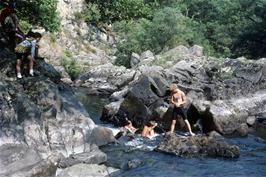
(184, 99)
(145, 131)
(173, 99)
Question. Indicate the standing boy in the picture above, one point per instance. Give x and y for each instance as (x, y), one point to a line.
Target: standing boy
(178, 99)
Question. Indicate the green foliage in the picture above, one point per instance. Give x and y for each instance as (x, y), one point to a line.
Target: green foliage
(225, 28)
(111, 11)
(167, 29)
(25, 26)
(39, 13)
(252, 41)
(92, 14)
(71, 66)
(134, 35)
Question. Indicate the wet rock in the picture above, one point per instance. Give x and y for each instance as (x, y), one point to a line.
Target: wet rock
(215, 135)
(197, 146)
(242, 130)
(133, 163)
(86, 170)
(260, 125)
(251, 120)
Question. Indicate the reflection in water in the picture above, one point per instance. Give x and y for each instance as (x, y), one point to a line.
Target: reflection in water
(93, 104)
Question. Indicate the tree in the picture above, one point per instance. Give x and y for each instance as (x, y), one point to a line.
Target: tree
(41, 12)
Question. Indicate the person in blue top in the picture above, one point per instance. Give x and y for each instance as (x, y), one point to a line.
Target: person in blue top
(26, 49)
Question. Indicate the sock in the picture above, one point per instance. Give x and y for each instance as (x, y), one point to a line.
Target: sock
(19, 75)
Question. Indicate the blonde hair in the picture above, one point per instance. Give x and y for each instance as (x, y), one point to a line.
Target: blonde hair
(173, 87)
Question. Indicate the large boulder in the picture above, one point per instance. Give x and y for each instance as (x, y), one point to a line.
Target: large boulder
(91, 156)
(41, 111)
(197, 146)
(230, 116)
(105, 79)
(142, 97)
(101, 136)
(19, 160)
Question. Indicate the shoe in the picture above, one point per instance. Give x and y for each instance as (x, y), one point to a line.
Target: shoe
(31, 73)
(19, 76)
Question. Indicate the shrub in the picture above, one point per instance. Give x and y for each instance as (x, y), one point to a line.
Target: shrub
(71, 67)
(39, 13)
(167, 29)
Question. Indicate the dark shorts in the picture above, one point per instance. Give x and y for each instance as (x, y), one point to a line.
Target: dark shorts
(21, 56)
(179, 111)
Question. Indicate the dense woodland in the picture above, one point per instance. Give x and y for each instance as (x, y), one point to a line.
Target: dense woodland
(225, 28)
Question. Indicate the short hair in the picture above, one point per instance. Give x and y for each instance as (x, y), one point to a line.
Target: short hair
(33, 34)
(151, 123)
(37, 35)
(173, 87)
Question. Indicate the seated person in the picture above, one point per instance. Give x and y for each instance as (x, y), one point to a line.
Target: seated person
(127, 129)
(148, 130)
(130, 127)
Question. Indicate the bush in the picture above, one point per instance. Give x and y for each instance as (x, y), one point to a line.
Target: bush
(71, 67)
(112, 11)
(167, 29)
(39, 13)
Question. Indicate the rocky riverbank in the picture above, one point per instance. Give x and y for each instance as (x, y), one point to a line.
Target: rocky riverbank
(224, 94)
(42, 125)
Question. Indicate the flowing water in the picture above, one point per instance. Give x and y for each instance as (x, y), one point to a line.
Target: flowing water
(148, 163)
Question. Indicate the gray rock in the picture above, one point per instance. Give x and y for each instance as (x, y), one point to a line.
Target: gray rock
(242, 130)
(41, 111)
(86, 170)
(105, 79)
(134, 60)
(133, 163)
(196, 50)
(19, 160)
(197, 146)
(251, 120)
(101, 136)
(94, 156)
(146, 58)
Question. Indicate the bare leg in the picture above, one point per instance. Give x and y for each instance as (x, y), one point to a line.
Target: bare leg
(30, 65)
(173, 126)
(189, 127)
(18, 68)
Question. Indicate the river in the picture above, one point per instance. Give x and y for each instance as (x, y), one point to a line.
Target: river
(251, 163)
